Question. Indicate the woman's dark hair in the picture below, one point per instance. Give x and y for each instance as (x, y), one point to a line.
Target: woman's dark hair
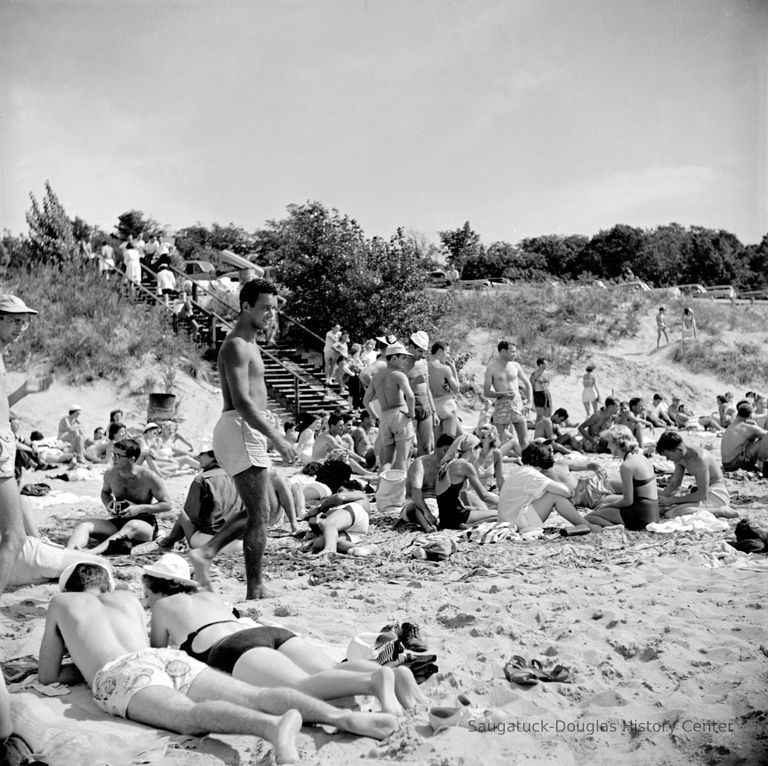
(538, 455)
(36, 436)
(112, 415)
(305, 421)
(113, 429)
(165, 587)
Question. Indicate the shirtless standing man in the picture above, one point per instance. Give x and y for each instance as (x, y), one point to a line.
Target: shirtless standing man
(418, 376)
(390, 387)
(744, 443)
(661, 327)
(133, 495)
(503, 378)
(710, 493)
(444, 383)
(420, 500)
(244, 430)
(104, 632)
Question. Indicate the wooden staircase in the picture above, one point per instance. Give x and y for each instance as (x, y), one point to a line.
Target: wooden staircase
(294, 384)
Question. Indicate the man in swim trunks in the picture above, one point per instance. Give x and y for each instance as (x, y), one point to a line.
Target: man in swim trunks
(418, 376)
(547, 429)
(391, 389)
(340, 521)
(133, 495)
(658, 415)
(598, 422)
(105, 635)
(744, 443)
(444, 383)
(710, 492)
(420, 502)
(333, 439)
(503, 378)
(244, 430)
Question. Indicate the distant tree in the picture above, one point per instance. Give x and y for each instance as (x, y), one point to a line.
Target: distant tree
(462, 245)
(756, 261)
(562, 253)
(609, 253)
(491, 261)
(51, 239)
(133, 223)
(662, 256)
(714, 257)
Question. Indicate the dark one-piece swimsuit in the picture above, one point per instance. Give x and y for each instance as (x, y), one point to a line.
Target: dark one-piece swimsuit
(452, 511)
(643, 510)
(224, 653)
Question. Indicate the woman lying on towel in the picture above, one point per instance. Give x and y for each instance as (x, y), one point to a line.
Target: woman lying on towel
(638, 505)
(208, 629)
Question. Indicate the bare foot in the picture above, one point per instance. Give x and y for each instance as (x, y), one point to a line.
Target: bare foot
(284, 739)
(201, 564)
(407, 689)
(374, 725)
(256, 591)
(384, 688)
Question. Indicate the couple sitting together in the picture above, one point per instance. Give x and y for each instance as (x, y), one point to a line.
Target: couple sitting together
(233, 677)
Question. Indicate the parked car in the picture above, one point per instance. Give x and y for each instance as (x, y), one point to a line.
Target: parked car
(591, 283)
(637, 286)
(667, 292)
(754, 295)
(693, 289)
(718, 291)
(499, 282)
(437, 278)
(200, 270)
(474, 284)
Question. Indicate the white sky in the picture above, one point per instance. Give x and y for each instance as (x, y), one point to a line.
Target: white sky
(524, 117)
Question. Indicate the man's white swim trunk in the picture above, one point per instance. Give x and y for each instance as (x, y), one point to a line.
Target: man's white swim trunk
(395, 426)
(445, 406)
(237, 446)
(119, 680)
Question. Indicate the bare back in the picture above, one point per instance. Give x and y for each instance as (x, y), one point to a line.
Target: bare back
(175, 617)
(95, 629)
(423, 469)
(735, 436)
(440, 378)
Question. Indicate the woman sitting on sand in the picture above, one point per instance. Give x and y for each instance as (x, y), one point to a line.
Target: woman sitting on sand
(308, 426)
(638, 505)
(208, 629)
(458, 507)
(488, 459)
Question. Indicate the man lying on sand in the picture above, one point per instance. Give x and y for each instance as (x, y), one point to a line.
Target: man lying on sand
(133, 495)
(744, 443)
(205, 627)
(104, 633)
(710, 492)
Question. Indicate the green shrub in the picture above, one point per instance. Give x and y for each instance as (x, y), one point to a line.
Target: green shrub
(87, 329)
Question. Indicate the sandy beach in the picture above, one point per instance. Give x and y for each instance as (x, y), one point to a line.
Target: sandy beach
(664, 635)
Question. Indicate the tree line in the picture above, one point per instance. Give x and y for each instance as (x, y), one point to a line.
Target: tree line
(332, 272)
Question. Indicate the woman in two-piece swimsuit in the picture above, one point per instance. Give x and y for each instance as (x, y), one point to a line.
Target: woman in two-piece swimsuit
(638, 505)
(488, 459)
(590, 396)
(208, 629)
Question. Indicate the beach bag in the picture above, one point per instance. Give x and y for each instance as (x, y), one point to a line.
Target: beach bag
(36, 490)
(590, 490)
(390, 493)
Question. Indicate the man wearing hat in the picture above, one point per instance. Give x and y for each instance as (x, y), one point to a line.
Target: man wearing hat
(14, 319)
(212, 499)
(418, 376)
(391, 389)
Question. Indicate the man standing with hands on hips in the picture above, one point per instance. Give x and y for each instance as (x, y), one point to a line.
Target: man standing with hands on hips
(242, 435)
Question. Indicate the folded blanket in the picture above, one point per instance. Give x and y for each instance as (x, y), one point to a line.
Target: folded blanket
(701, 521)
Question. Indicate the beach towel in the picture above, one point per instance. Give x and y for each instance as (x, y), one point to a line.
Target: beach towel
(492, 532)
(701, 521)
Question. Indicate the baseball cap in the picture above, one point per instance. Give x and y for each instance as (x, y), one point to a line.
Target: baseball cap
(397, 348)
(10, 304)
(420, 339)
